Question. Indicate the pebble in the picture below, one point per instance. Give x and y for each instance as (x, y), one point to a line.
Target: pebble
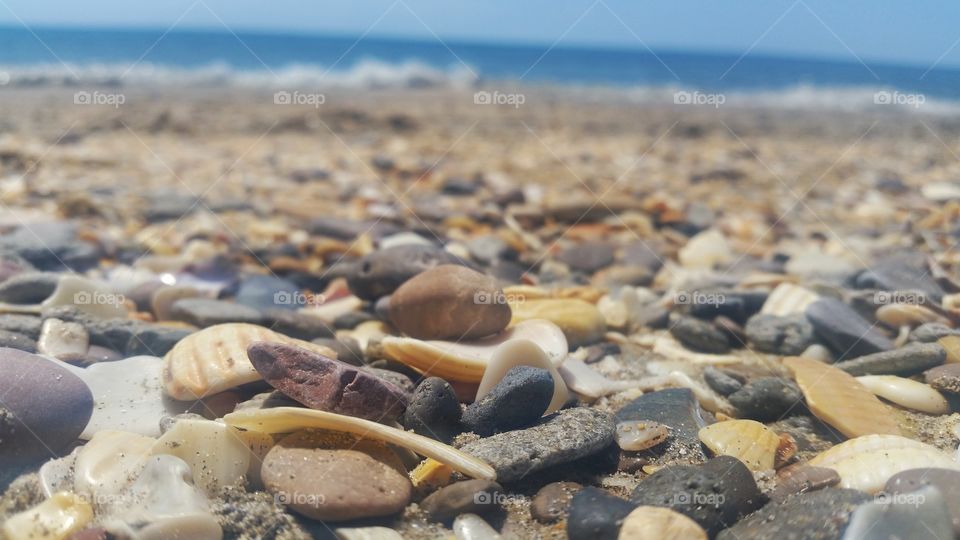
(518, 400)
(488, 249)
(700, 336)
(269, 292)
(715, 494)
(449, 302)
(563, 437)
(921, 515)
(816, 515)
(947, 482)
(945, 378)
(785, 336)
(767, 399)
(28, 287)
(380, 273)
(27, 325)
(597, 515)
(434, 410)
(205, 312)
(14, 340)
(902, 271)
(67, 341)
(154, 340)
(721, 382)
(93, 298)
(931, 332)
(587, 257)
(522, 352)
(51, 246)
(907, 360)
(552, 502)
(45, 407)
(469, 496)
(654, 523)
(336, 477)
(473, 527)
(801, 479)
(12, 264)
(325, 384)
(581, 322)
(676, 408)
(347, 348)
(842, 328)
(737, 306)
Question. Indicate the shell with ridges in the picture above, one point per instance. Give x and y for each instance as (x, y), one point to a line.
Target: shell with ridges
(747, 440)
(788, 299)
(907, 393)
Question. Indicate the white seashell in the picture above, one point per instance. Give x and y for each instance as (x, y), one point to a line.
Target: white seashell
(63, 340)
(108, 463)
(788, 299)
(636, 435)
(940, 191)
(219, 455)
(329, 311)
(56, 518)
(897, 315)
(163, 299)
(366, 332)
(668, 347)
(522, 352)
(57, 474)
(818, 352)
(586, 381)
(404, 239)
(290, 419)
(705, 251)
(163, 503)
(367, 533)
(907, 393)
(656, 523)
(91, 297)
(866, 463)
(473, 527)
(467, 361)
(747, 440)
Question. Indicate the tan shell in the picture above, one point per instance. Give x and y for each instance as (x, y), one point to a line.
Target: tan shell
(952, 345)
(838, 399)
(897, 315)
(55, 518)
(215, 359)
(907, 393)
(788, 299)
(467, 361)
(867, 462)
(747, 440)
(581, 322)
(656, 523)
(636, 435)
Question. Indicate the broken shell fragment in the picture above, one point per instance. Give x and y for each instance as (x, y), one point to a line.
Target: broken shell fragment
(54, 519)
(747, 440)
(788, 299)
(586, 381)
(108, 462)
(636, 435)
(866, 463)
(838, 399)
(907, 393)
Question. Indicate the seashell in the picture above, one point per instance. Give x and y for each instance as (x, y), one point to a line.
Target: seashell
(838, 399)
(289, 419)
(366, 332)
(473, 527)
(431, 474)
(614, 311)
(657, 523)
(57, 474)
(951, 344)
(586, 381)
(636, 435)
(668, 347)
(897, 315)
(866, 463)
(705, 251)
(63, 340)
(522, 352)
(907, 393)
(786, 450)
(219, 455)
(366, 533)
(108, 463)
(788, 299)
(56, 518)
(91, 297)
(215, 359)
(747, 440)
(467, 361)
(580, 321)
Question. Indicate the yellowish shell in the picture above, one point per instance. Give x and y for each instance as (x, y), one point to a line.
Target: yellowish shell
(952, 345)
(838, 399)
(788, 299)
(907, 393)
(656, 523)
(897, 315)
(747, 440)
(867, 462)
(215, 359)
(467, 361)
(55, 518)
(581, 322)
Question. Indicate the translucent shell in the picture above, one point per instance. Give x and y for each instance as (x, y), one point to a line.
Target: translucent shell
(747, 440)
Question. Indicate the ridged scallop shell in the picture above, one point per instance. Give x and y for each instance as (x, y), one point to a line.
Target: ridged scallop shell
(838, 399)
(747, 440)
(656, 523)
(466, 361)
(788, 299)
(215, 359)
(907, 393)
(867, 462)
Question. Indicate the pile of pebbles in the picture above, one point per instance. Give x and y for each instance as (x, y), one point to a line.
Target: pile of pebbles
(496, 364)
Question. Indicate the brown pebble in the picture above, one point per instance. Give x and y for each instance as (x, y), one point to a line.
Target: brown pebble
(945, 378)
(801, 478)
(552, 501)
(468, 497)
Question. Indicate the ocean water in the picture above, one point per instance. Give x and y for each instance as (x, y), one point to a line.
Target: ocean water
(129, 57)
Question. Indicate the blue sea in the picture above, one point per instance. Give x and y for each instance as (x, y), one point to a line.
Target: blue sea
(74, 57)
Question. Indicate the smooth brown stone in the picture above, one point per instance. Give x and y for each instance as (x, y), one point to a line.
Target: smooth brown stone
(552, 502)
(334, 476)
(468, 497)
(802, 478)
(945, 378)
(449, 302)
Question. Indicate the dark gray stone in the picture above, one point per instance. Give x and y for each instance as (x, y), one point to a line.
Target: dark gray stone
(930, 332)
(947, 481)
(489, 248)
(155, 340)
(17, 341)
(204, 312)
(844, 331)
(381, 272)
(945, 378)
(921, 515)
(902, 272)
(700, 336)
(517, 401)
(676, 408)
(349, 321)
(347, 349)
(297, 325)
(735, 305)
(27, 325)
(596, 515)
(816, 515)
(785, 336)
(268, 292)
(767, 399)
(587, 257)
(28, 287)
(51, 246)
(721, 382)
(434, 410)
(467, 497)
(907, 360)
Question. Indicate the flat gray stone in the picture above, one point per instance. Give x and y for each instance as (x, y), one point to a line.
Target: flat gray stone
(844, 330)
(204, 312)
(907, 360)
(920, 515)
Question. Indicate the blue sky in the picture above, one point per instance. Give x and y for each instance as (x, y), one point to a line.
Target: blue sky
(918, 32)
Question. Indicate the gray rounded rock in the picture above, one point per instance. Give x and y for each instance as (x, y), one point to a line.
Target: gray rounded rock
(467, 497)
(786, 336)
(700, 336)
(383, 271)
(767, 399)
(434, 410)
(204, 312)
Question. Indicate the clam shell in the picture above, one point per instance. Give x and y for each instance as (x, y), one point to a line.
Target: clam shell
(636, 435)
(215, 359)
(907, 393)
(290, 419)
(788, 299)
(867, 462)
(838, 399)
(656, 523)
(747, 440)
(467, 361)
(522, 352)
